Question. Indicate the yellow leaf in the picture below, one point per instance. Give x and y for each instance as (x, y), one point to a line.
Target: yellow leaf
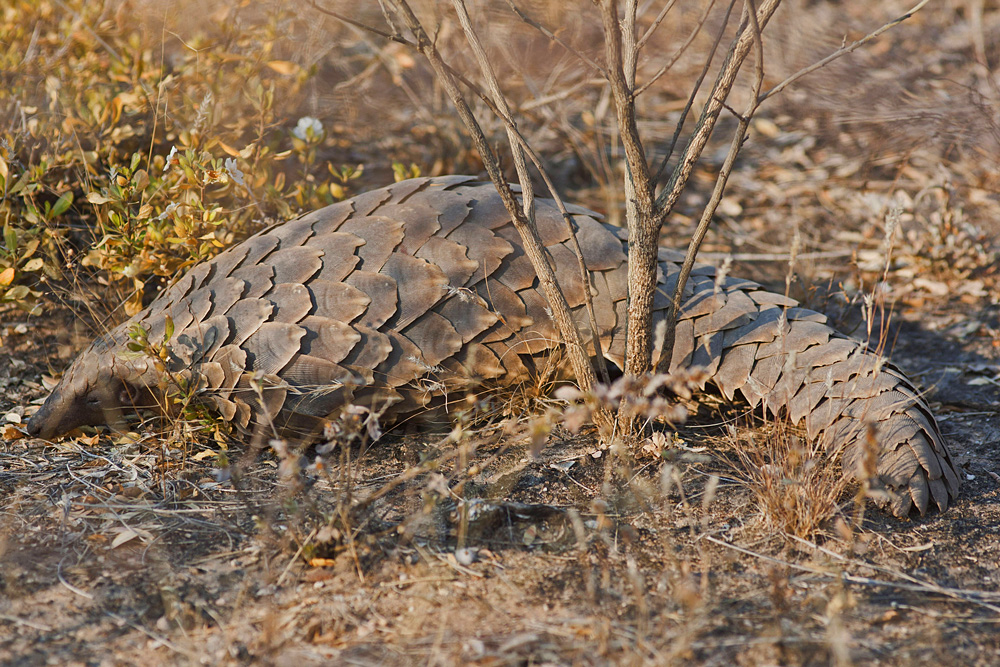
(123, 537)
(7, 276)
(3, 169)
(140, 179)
(203, 454)
(30, 249)
(129, 438)
(227, 148)
(133, 305)
(285, 67)
(34, 264)
(97, 198)
(116, 109)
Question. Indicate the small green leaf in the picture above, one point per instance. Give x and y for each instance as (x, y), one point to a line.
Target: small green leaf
(52, 271)
(168, 328)
(19, 185)
(136, 157)
(62, 204)
(16, 293)
(10, 238)
(137, 332)
(31, 213)
(30, 249)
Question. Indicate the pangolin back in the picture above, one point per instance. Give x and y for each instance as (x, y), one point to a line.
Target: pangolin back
(422, 290)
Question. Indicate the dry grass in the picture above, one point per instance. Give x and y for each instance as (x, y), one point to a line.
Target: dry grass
(795, 489)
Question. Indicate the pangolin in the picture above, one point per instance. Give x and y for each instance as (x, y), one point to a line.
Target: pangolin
(422, 289)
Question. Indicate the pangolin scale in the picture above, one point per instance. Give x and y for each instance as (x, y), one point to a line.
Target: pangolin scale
(422, 289)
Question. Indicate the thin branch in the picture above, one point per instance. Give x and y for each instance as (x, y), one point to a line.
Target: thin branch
(697, 84)
(509, 123)
(621, 57)
(684, 47)
(394, 36)
(754, 27)
(776, 256)
(758, 41)
(618, 77)
(841, 52)
(561, 95)
(656, 24)
(555, 38)
(500, 100)
(708, 213)
(533, 247)
(630, 48)
(461, 78)
(710, 114)
(514, 138)
(963, 595)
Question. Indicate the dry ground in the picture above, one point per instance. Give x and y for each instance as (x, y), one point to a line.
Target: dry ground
(114, 551)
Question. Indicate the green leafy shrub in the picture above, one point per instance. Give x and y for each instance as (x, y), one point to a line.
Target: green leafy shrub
(128, 154)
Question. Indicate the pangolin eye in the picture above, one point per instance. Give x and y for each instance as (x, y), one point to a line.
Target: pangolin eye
(93, 402)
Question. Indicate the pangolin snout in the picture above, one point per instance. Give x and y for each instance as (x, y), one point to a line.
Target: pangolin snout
(64, 411)
(87, 395)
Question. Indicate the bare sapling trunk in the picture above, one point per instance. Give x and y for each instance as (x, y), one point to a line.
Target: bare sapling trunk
(646, 209)
(644, 213)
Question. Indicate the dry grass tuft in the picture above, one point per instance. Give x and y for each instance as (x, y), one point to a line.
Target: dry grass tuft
(795, 489)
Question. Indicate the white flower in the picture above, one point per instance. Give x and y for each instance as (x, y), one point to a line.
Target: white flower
(172, 159)
(234, 171)
(171, 207)
(308, 128)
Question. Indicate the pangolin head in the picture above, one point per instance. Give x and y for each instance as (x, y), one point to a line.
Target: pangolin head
(92, 392)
